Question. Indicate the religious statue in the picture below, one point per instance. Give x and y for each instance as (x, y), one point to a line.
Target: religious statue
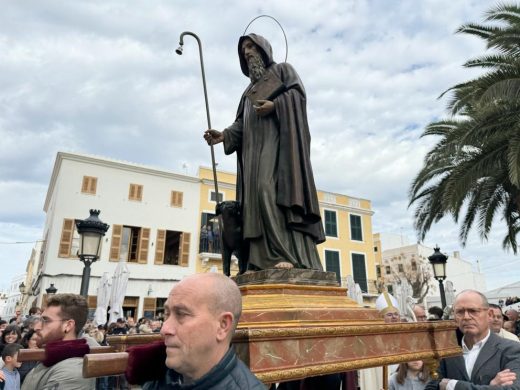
(275, 183)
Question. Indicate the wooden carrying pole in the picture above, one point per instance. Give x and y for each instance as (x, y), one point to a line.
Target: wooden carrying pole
(105, 364)
(27, 355)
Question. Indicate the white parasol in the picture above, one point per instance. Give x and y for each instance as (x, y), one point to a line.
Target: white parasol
(103, 298)
(117, 296)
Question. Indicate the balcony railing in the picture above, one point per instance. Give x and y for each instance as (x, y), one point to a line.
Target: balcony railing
(209, 245)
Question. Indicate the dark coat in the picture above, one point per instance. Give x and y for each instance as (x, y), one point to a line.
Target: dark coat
(496, 355)
(296, 192)
(229, 374)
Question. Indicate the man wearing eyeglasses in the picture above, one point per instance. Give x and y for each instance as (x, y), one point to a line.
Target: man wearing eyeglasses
(61, 321)
(488, 361)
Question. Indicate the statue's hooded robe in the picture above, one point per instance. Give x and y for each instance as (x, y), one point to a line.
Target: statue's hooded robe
(275, 184)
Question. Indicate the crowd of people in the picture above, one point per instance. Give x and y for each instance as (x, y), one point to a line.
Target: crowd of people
(198, 325)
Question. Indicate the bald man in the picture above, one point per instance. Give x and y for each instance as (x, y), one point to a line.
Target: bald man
(201, 315)
(488, 361)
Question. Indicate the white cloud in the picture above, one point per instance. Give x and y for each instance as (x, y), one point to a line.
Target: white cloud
(101, 77)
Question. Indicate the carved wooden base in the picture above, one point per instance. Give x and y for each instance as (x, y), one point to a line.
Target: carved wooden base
(292, 331)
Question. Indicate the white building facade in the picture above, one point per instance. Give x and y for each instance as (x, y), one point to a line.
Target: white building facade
(12, 298)
(401, 258)
(153, 218)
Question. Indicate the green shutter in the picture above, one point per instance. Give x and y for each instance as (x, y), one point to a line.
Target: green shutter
(332, 264)
(359, 271)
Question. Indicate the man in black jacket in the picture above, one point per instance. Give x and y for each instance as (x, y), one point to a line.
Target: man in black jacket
(201, 315)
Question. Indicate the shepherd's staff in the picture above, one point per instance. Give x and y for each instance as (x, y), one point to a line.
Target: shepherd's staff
(214, 166)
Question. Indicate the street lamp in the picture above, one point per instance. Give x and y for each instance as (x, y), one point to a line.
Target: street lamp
(438, 262)
(91, 231)
(51, 290)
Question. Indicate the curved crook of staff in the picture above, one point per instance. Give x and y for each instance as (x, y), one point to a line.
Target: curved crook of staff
(213, 165)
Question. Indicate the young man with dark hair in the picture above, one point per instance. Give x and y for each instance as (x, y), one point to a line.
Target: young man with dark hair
(61, 321)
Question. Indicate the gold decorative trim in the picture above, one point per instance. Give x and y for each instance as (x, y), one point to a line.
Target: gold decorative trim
(257, 287)
(331, 368)
(347, 330)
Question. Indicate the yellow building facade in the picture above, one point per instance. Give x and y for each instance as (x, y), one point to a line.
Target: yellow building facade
(348, 250)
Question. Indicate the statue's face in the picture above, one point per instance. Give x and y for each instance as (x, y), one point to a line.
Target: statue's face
(249, 49)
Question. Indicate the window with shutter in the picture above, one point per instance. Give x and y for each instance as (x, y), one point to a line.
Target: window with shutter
(89, 185)
(115, 247)
(185, 249)
(176, 199)
(67, 233)
(159, 246)
(359, 271)
(135, 192)
(356, 230)
(169, 246)
(332, 264)
(331, 228)
(213, 196)
(92, 301)
(149, 307)
(143, 246)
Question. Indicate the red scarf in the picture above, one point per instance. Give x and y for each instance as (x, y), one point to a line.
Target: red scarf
(57, 351)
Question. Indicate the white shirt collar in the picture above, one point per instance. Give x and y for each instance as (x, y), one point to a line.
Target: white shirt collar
(477, 345)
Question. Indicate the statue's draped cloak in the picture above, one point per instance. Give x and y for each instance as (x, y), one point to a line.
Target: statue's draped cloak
(275, 183)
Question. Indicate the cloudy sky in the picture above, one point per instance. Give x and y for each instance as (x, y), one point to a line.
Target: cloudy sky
(101, 77)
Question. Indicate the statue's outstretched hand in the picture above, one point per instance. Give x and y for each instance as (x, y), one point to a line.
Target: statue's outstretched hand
(213, 137)
(263, 107)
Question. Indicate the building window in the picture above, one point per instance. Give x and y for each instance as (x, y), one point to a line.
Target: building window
(135, 192)
(209, 234)
(390, 289)
(414, 266)
(69, 241)
(359, 271)
(356, 230)
(213, 196)
(172, 248)
(92, 305)
(89, 185)
(176, 199)
(400, 268)
(378, 271)
(331, 226)
(332, 264)
(375, 249)
(388, 270)
(153, 307)
(130, 244)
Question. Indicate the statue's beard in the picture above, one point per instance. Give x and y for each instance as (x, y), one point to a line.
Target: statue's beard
(256, 67)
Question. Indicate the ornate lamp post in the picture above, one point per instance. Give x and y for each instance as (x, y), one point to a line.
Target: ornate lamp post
(438, 262)
(91, 231)
(51, 289)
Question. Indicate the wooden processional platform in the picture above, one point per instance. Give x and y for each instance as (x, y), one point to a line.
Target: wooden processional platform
(298, 323)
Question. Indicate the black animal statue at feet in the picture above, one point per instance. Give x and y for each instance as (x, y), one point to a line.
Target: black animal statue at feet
(232, 241)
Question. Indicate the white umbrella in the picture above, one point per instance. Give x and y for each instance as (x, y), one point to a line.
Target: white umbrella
(117, 295)
(103, 298)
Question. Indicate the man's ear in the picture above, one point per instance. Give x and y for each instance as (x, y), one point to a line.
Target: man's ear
(70, 326)
(225, 325)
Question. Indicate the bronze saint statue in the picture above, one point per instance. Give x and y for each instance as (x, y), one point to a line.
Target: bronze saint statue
(275, 184)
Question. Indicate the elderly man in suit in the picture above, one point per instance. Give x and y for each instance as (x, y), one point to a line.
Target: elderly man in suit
(488, 361)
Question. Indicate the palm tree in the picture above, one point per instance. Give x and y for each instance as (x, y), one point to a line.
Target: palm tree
(473, 171)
